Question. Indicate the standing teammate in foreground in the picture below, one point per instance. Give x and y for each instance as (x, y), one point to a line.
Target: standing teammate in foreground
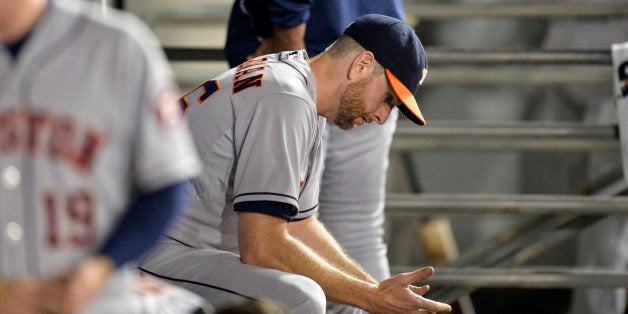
(351, 200)
(252, 232)
(94, 154)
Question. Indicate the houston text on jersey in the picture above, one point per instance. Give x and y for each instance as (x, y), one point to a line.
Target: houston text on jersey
(57, 137)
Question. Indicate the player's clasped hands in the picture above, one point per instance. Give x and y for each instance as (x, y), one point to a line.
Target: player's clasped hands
(398, 295)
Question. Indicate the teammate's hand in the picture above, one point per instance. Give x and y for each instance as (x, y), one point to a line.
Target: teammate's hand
(69, 293)
(87, 279)
(398, 295)
(20, 296)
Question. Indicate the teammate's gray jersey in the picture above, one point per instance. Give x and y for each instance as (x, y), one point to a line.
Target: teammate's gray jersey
(79, 134)
(258, 134)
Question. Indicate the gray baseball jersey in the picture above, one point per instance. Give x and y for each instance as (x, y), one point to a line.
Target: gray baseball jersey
(258, 134)
(88, 117)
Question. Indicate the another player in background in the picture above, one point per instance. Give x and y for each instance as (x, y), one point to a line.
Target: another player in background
(351, 199)
(94, 156)
(252, 231)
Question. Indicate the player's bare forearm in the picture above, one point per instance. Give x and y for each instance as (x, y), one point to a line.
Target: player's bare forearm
(265, 241)
(314, 234)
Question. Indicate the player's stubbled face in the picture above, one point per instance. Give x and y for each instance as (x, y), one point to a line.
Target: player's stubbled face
(354, 107)
(352, 104)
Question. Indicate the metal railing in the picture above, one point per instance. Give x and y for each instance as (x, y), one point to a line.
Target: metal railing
(552, 219)
(475, 204)
(597, 60)
(514, 10)
(455, 56)
(219, 13)
(525, 277)
(518, 136)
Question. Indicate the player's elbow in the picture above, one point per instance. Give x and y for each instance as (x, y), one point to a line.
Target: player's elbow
(254, 251)
(268, 253)
(261, 238)
(255, 255)
(249, 255)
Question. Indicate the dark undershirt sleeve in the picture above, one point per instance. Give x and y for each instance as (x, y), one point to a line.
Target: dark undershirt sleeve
(14, 47)
(145, 222)
(289, 13)
(282, 210)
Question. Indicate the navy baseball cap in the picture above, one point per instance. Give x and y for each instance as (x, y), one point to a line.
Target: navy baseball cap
(397, 48)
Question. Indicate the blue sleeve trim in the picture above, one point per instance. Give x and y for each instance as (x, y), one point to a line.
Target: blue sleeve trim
(282, 210)
(145, 222)
(266, 193)
(310, 209)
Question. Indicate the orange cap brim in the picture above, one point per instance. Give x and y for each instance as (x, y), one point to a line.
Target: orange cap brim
(409, 105)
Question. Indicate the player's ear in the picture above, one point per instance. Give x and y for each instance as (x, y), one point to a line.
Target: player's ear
(362, 65)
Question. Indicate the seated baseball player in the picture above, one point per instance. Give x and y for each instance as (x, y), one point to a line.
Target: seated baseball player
(252, 231)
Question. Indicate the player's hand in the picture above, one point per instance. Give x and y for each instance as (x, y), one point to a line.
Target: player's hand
(69, 293)
(87, 280)
(398, 295)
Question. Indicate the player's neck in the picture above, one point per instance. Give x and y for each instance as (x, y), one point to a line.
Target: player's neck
(330, 84)
(18, 17)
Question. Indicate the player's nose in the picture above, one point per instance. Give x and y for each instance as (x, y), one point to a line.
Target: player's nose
(382, 113)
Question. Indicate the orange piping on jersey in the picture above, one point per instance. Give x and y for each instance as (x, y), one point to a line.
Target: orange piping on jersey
(206, 92)
(237, 76)
(246, 83)
(185, 98)
(213, 85)
(254, 61)
(183, 102)
(249, 69)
